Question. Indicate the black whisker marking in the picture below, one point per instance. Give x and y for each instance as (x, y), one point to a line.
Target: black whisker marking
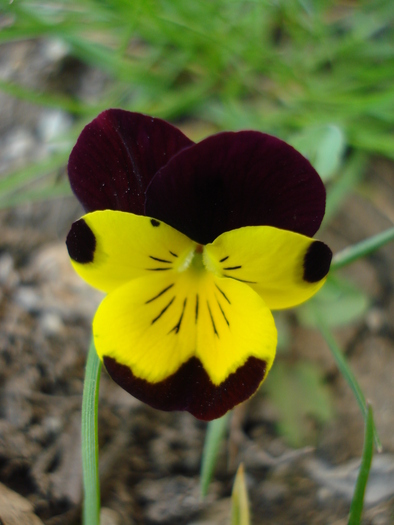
(224, 295)
(224, 258)
(213, 322)
(224, 315)
(177, 327)
(240, 280)
(158, 269)
(197, 299)
(164, 310)
(173, 254)
(160, 294)
(232, 268)
(159, 260)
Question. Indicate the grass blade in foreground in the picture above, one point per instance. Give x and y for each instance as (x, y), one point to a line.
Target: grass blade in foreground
(347, 374)
(240, 502)
(215, 433)
(91, 506)
(351, 254)
(356, 507)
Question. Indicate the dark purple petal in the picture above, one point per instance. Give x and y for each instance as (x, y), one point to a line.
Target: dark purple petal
(239, 179)
(117, 155)
(190, 387)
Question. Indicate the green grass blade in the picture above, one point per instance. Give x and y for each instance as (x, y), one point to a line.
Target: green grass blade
(240, 502)
(216, 430)
(91, 507)
(16, 180)
(48, 192)
(363, 248)
(347, 373)
(36, 182)
(44, 99)
(356, 507)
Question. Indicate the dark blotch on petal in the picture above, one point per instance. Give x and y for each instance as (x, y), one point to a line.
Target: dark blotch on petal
(81, 242)
(317, 262)
(117, 155)
(239, 179)
(154, 222)
(191, 389)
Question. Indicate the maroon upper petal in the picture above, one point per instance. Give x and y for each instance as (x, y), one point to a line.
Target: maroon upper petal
(117, 155)
(230, 180)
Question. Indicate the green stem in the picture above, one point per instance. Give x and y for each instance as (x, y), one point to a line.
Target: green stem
(216, 430)
(356, 507)
(352, 253)
(91, 483)
(346, 372)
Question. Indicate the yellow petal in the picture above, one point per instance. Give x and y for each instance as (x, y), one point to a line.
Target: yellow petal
(109, 248)
(148, 324)
(153, 325)
(283, 267)
(234, 324)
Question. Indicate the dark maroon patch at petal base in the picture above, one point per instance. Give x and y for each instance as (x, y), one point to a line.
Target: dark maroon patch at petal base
(191, 389)
(117, 155)
(317, 262)
(239, 179)
(81, 242)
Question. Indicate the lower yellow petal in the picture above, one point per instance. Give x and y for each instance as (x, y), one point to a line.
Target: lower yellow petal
(199, 332)
(283, 267)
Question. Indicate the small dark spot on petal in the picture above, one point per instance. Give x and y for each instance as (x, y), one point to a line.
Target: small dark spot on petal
(317, 262)
(154, 222)
(81, 242)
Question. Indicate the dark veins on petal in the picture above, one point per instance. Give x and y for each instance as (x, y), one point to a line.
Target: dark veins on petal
(81, 242)
(239, 179)
(190, 387)
(117, 155)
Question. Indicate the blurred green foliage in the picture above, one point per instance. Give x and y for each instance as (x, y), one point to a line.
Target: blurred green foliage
(301, 399)
(275, 66)
(339, 303)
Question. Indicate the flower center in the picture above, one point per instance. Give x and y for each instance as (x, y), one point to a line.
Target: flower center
(197, 262)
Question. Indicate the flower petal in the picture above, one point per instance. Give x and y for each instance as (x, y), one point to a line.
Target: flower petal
(239, 179)
(283, 267)
(197, 343)
(117, 155)
(109, 248)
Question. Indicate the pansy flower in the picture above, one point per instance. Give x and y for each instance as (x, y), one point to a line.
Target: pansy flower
(194, 245)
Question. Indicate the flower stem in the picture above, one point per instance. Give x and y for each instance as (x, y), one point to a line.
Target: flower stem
(347, 374)
(216, 430)
(352, 253)
(356, 508)
(91, 507)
